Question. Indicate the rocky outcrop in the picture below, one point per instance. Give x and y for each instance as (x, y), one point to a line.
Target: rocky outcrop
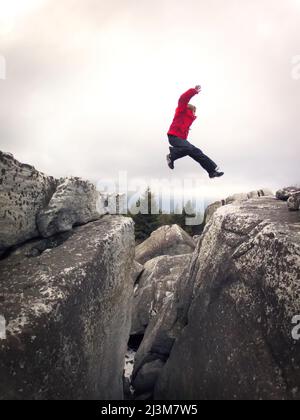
(167, 240)
(33, 204)
(212, 208)
(68, 314)
(291, 195)
(157, 283)
(23, 193)
(242, 292)
(285, 193)
(73, 203)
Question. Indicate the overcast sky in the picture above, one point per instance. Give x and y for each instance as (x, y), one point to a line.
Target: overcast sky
(92, 85)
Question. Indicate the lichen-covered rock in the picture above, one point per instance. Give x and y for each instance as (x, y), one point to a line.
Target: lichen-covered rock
(212, 208)
(23, 193)
(73, 203)
(68, 315)
(167, 240)
(157, 283)
(243, 293)
(285, 193)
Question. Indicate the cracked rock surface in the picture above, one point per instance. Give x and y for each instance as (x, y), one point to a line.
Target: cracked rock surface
(243, 291)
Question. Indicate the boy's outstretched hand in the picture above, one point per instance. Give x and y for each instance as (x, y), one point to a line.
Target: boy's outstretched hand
(198, 88)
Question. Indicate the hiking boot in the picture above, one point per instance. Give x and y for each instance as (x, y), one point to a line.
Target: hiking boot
(216, 174)
(170, 162)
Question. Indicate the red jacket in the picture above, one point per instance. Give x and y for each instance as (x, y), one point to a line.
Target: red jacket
(184, 116)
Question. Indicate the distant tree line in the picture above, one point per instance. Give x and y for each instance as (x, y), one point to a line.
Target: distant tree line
(145, 224)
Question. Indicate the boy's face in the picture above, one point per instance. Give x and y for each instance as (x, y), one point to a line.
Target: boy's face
(193, 109)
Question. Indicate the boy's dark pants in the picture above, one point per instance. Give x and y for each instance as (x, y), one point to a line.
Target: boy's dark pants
(180, 148)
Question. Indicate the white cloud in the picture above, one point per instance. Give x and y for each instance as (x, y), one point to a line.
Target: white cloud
(12, 11)
(92, 86)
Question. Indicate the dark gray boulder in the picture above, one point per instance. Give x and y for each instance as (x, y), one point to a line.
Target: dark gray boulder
(146, 379)
(68, 314)
(240, 301)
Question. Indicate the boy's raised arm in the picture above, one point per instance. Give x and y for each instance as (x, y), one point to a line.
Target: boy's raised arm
(187, 96)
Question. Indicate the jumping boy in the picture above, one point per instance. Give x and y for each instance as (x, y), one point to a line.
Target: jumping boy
(178, 133)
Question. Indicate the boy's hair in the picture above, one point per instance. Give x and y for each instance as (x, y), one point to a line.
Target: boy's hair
(192, 107)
